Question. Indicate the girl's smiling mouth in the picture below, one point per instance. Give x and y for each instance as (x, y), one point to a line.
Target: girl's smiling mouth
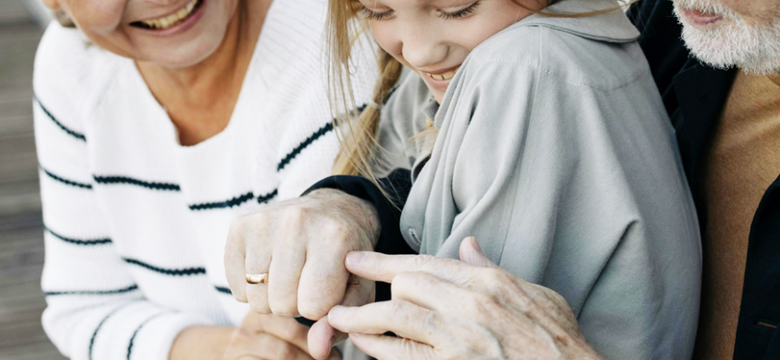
(442, 75)
(171, 20)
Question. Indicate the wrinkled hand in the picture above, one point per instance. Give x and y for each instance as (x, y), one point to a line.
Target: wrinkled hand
(448, 309)
(269, 337)
(301, 244)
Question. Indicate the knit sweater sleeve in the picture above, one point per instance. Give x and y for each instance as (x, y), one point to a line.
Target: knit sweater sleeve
(95, 309)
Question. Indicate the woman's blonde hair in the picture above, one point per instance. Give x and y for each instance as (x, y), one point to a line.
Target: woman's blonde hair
(357, 126)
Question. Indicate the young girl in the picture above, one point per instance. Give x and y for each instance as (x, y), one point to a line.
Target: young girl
(546, 139)
(537, 129)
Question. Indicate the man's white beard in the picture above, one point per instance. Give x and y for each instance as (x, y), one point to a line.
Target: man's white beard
(753, 48)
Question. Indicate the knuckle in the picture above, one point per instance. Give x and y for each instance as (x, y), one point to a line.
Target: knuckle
(398, 308)
(313, 311)
(283, 309)
(260, 308)
(495, 276)
(423, 260)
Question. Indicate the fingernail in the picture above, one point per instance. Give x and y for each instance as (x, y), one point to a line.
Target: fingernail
(354, 258)
(476, 244)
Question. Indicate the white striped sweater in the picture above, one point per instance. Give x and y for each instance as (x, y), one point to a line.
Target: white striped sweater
(136, 223)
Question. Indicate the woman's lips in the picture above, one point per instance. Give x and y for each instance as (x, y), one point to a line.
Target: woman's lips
(700, 18)
(175, 23)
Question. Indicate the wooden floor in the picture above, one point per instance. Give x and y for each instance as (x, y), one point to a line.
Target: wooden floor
(21, 232)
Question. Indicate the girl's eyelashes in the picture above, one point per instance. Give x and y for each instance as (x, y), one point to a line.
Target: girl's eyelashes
(373, 15)
(459, 14)
(369, 14)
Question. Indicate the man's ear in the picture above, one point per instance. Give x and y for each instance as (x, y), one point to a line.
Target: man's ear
(52, 4)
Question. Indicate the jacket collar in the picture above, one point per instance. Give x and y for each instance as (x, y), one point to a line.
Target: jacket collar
(611, 27)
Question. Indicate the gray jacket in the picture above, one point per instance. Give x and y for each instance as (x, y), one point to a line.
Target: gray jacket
(555, 151)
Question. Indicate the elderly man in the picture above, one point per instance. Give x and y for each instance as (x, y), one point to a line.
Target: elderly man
(725, 106)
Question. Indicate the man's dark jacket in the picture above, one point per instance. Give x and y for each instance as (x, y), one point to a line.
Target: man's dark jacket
(694, 95)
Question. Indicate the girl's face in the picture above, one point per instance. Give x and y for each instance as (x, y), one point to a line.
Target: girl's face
(171, 33)
(433, 37)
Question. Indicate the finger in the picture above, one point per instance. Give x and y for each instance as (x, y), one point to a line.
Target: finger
(284, 328)
(234, 259)
(257, 261)
(267, 346)
(320, 339)
(322, 336)
(427, 291)
(286, 266)
(398, 316)
(248, 357)
(391, 348)
(379, 267)
(323, 281)
(471, 253)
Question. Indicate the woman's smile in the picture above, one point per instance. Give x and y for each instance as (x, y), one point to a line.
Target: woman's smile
(173, 22)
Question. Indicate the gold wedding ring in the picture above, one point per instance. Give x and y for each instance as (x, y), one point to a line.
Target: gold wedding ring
(256, 278)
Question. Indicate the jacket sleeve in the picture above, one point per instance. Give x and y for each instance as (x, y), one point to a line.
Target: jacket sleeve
(95, 310)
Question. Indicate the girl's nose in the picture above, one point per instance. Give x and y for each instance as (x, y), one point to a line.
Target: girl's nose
(422, 52)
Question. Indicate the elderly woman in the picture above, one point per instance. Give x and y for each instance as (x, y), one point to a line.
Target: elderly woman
(157, 123)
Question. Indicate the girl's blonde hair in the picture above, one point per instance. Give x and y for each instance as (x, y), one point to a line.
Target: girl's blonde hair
(357, 126)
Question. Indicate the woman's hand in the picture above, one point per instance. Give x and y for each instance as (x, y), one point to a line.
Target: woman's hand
(258, 337)
(269, 337)
(301, 245)
(448, 309)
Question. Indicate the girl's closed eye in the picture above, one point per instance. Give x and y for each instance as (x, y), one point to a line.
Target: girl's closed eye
(369, 14)
(463, 12)
(458, 13)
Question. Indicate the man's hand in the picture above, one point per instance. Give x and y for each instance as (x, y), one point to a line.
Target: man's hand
(301, 245)
(448, 309)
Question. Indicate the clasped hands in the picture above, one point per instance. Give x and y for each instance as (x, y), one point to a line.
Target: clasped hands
(317, 253)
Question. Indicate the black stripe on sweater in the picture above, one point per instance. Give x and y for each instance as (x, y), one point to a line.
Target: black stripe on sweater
(298, 149)
(88, 242)
(66, 181)
(113, 180)
(262, 199)
(94, 334)
(93, 292)
(311, 139)
(171, 272)
(132, 339)
(236, 201)
(70, 132)
(223, 290)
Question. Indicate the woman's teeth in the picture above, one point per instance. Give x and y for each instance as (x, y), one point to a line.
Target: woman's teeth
(445, 76)
(171, 20)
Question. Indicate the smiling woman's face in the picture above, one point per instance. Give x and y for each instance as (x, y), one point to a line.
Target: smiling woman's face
(170, 33)
(433, 37)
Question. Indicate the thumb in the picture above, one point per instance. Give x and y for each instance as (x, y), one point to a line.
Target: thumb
(471, 254)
